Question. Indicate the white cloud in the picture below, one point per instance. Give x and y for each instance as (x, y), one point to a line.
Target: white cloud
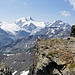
(72, 2)
(65, 13)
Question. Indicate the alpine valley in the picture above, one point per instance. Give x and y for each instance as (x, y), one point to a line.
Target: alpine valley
(18, 39)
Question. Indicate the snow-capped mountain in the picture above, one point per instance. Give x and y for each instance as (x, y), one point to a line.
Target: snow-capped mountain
(29, 24)
(14, 31)
(25, 27)
(60, 24)
(22, 24)
(56, 29)
(21, 28)
(23, 19)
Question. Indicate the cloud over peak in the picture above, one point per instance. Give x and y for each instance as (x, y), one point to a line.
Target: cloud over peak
(65, 13)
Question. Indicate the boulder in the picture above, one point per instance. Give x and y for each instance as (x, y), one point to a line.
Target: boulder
(72, 31)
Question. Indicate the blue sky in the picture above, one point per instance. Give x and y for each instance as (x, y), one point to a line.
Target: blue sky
(39, 10)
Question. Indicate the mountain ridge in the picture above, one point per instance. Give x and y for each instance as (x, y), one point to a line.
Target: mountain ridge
(26, 27)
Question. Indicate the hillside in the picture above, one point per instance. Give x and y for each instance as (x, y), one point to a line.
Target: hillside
(55, 56)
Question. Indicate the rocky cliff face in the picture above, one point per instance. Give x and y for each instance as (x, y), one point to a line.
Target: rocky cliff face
(55, 56)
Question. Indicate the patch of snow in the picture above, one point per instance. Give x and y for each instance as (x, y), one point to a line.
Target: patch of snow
(25, 30)
(26, 46)
(24, 72)
(48, 24)
(14, 61)
(61, 34)
(29, 53)
(52, 31)
(57, 28)
(50, 36)
(9, 54)
(61, 23)
(48, 31)
(14, 72)
(35, 30)
(64, 27)
(37, 24)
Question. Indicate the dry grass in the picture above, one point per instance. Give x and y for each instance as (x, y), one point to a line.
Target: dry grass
(52, 54)
(72, 66)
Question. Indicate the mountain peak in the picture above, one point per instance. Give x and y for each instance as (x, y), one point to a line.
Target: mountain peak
(58, 21)
(23, 19)
(29, 18)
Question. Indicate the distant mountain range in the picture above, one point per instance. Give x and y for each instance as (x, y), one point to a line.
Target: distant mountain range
(21, 28)
(24, 31)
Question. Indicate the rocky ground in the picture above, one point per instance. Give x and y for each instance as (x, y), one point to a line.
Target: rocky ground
(55, 56)
(19, 62)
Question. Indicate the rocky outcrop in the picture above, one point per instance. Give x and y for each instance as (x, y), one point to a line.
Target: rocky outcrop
(55, 56)
(4, 70)
(72, 31)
